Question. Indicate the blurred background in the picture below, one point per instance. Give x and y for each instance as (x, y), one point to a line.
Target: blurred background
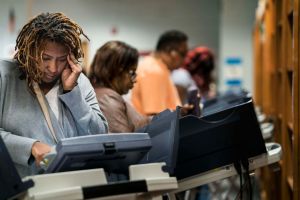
(223, 25)
(255, 42)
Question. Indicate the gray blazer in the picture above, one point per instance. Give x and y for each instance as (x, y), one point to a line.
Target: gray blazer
(22, 121)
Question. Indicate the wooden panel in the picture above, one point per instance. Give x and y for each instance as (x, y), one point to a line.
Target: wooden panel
(268, 62)
(287, 142)
(296, 100)
(278, 56)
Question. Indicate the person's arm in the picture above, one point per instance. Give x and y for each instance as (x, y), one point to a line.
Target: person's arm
(83, 104)
(114, 108)
(80, 98)
(39, 150)
(24, 150)
(136, 118)
(20, 148)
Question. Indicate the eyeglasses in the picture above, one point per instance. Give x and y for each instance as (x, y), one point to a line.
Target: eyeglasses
(132, 73)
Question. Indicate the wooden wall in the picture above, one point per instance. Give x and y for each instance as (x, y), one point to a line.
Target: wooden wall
(276, 90)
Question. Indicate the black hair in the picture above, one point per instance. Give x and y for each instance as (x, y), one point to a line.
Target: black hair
(170, 40)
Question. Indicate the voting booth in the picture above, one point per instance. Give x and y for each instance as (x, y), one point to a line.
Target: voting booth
(10, 182)
(112, 152)
(191, 145)
(169, 155)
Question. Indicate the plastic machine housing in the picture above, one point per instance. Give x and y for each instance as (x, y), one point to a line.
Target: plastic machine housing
(191, 145)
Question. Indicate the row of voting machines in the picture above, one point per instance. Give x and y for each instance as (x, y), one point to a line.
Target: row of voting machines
(172, 154)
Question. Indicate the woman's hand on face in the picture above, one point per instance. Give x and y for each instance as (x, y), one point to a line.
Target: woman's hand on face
(39, 150)
(71, 73)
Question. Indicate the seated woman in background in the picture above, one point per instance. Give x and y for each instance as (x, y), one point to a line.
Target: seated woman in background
(112, 74)
(196, 72)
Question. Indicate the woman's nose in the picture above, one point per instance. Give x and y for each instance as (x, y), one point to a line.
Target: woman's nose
(52, 67)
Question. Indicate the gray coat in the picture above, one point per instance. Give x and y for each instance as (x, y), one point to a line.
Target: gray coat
(22, 121)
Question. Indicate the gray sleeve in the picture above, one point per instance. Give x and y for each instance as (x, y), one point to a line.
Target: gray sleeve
(181, 77)
(18, 147)
(83, 104)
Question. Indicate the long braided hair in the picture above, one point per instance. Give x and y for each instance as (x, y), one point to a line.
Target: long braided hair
(30, 43)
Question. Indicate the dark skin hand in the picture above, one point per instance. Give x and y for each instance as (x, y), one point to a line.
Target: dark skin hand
(187, 109)
(184, 110)
(70, 74)
(39, 150)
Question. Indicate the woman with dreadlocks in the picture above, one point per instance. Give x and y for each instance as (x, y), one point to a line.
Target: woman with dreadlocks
(44, 97)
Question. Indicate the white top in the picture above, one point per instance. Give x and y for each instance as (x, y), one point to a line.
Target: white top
(52, 98)
(182, 77)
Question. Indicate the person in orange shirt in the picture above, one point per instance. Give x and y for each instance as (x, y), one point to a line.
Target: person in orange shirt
(154, 90)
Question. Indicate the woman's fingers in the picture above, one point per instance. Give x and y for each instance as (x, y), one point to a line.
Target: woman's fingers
(74, 65)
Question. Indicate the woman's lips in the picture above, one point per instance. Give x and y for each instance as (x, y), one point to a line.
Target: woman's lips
(50, 76)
